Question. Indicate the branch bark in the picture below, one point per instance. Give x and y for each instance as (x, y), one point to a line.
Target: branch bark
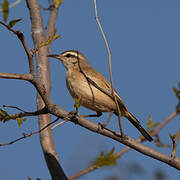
(46, 138)
(27, 77)
(120, 153)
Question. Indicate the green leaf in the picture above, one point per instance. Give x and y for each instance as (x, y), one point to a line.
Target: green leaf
(57, 3)
(56, 37)
(50, 39)
(106, 160)
(176, 92)
(151, 124)
(78, 103)
(13, 22)
(5, 8)
(20, 121)
(3, 114)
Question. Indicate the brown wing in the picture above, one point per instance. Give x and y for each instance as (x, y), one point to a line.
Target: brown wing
(100, 82)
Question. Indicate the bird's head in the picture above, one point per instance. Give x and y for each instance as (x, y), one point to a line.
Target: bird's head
(71, 59)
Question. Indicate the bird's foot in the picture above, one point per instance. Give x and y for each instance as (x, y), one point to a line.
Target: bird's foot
(74, 115)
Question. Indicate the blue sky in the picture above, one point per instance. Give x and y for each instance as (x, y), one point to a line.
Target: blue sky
(144, 40)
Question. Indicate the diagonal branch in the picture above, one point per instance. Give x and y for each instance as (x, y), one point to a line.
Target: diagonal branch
(131, 143)
(164, 123)
(120, 153)
(20, 36)
(29, 135)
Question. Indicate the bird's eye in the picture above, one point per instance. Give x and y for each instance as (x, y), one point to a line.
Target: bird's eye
(68, 55)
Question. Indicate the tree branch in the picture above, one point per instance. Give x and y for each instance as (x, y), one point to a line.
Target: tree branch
(120, 153)
(20, 36)
(24, 113)
(52, 21)
(27, 77)
(59, 112)
(46, 138)
(29, 135)
(131, 143)
(83, 172)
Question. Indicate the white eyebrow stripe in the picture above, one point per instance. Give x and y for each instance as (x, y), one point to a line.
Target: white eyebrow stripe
(73, 53)
(70, 52)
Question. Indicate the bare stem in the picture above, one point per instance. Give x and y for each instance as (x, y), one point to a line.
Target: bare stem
(20, 36)
(175, 143)
(110, 67)
(29, 135)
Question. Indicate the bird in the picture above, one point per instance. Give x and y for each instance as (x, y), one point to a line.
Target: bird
(94, 90)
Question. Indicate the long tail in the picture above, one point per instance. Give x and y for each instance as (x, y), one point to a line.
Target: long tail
(136, 123)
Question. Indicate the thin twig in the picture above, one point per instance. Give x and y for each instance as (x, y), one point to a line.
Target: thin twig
(163, 124)
(29, 135)
(10, 29)
(20, 36)
(70, 116)
(110, 67)
(14, 107)
(83, 172)
(24, 113)
(175, 143)
(107, 121)
(28, 53)
(58, 124)
(27, 77)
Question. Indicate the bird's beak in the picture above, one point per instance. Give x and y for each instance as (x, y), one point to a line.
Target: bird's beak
(54, 55)
(57, 56)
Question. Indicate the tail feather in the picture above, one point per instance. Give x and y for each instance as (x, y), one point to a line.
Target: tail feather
(136, 123)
